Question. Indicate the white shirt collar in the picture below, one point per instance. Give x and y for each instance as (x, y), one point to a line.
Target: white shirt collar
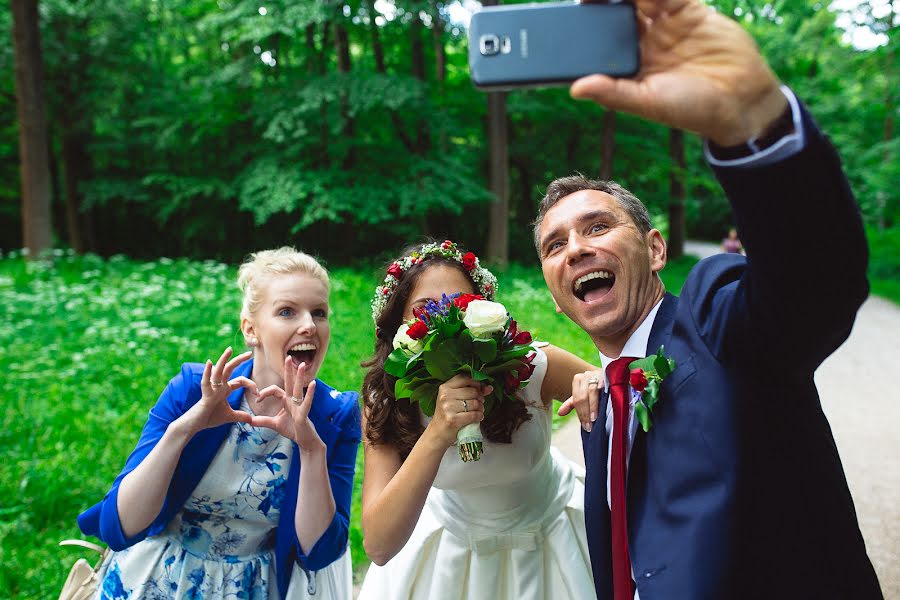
(636, 345)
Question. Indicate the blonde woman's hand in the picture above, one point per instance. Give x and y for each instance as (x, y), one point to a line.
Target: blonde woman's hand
(292, 420)
(459, 402)
(213, 409)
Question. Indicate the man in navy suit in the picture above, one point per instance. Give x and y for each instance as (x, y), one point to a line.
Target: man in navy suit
(737, 489)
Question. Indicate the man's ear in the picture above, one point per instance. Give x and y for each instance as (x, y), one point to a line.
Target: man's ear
(656, 250)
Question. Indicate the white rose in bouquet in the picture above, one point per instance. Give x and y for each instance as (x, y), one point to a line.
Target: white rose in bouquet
(406, 343)
(484, 317)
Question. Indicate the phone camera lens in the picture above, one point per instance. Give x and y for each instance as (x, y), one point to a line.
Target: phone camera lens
(489, 44)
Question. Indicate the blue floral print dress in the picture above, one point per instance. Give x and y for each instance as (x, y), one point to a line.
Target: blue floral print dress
(221, 544)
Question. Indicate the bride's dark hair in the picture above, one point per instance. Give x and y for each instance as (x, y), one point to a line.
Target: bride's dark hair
(398, 423)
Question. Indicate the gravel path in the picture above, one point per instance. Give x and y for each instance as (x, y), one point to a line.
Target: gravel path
(858, 386)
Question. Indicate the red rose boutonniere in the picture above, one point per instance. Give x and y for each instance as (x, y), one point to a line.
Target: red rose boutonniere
(646, 375)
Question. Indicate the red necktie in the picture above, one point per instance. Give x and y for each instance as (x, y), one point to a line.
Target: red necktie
(617, 374)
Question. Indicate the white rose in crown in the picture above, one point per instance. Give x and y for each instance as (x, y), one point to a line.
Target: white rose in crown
(406, 343)
(484, 317)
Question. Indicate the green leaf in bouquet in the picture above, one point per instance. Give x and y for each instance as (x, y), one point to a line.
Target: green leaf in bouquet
(449, 329)
(503, 367)
(426, 396)
(440, 360)
(473, 373)
(486, 350)
(396, 363)
(402, 389)
(464, 345)
(412, 361)
(513, 352)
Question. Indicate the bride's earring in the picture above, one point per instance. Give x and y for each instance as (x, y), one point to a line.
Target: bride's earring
(252, 341)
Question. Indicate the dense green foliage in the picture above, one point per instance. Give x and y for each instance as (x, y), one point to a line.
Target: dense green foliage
(91, 344)
(884, 262)
(209, 128)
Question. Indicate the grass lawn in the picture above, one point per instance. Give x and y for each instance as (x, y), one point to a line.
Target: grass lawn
(88, 345)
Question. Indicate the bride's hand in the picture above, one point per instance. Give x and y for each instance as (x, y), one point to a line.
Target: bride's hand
(585, 397)
(213, 409)
(292, 420)
(460, 401)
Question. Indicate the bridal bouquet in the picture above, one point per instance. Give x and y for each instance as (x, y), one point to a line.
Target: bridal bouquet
(461, 334)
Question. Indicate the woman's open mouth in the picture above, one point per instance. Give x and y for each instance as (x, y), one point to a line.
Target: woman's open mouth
(302, 353)
(593, 286)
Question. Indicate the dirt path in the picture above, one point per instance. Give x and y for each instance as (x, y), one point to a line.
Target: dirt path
(860, 393)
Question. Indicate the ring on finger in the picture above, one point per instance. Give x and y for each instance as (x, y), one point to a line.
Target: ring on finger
(465, 405)
(593, 381)
(216, 384)
(296, 400)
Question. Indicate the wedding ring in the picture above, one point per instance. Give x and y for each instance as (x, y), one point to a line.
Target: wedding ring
(216, 384)
(465, 406)
(296, 400)
(593, 381)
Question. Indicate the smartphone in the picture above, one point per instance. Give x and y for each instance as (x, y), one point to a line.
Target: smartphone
(532, 45)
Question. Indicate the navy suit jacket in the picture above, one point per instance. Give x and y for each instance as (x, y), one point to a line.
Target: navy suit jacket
(337, 420)
(737, 491)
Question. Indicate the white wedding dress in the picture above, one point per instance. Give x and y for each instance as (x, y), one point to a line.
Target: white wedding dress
(509, 526)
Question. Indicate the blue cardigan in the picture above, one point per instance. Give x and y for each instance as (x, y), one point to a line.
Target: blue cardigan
(337, 420)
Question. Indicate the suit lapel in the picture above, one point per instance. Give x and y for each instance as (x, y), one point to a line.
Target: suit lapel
(637, 462)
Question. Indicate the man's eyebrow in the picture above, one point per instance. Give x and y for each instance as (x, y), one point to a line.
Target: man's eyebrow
(594, 215)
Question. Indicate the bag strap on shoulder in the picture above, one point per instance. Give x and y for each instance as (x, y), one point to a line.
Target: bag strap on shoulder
(83, 544)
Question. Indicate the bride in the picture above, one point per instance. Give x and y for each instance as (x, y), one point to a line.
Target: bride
(510, 525)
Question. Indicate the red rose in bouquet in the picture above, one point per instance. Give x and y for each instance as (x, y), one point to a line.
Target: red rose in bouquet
(462, 301)
(417, 330)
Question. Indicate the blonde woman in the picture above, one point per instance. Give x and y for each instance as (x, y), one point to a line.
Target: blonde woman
(240, 483)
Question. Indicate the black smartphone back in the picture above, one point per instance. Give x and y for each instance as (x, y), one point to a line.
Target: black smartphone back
(526, 45)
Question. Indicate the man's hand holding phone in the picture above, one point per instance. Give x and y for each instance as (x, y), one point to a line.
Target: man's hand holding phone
(695, 69)
(700, 71)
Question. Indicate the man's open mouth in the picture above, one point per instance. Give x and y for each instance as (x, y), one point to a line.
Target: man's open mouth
(302, 353)
(593, 286)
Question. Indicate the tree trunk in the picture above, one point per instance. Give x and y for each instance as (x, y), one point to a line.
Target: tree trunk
(76, 168)
(676, 195)
(498, 135)
(440, 70)
(609, 144)
(423, 140)
(34, 156)
(342, 48)
(377, 48)
(312, 55)
(380, 67)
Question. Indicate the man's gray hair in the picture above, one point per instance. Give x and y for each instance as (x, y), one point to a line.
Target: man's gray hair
(564, 186)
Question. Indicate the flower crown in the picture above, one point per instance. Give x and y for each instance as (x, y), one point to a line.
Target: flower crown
(484, 279)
